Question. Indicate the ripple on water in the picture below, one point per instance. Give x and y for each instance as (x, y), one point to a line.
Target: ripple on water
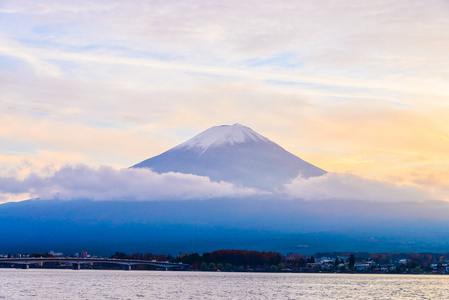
(98, 284)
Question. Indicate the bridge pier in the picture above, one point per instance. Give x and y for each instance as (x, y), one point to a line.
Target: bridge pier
(25, 266)
(127, 267)
(76, 266)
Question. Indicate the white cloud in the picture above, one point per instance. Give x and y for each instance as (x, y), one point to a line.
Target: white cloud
(336, 186)
(106, 183)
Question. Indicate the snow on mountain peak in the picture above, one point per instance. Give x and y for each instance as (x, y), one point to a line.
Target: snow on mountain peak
(236, 154)
(222, 135)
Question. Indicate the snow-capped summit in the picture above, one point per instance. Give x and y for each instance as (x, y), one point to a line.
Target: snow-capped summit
(233, 153)
(222, 135)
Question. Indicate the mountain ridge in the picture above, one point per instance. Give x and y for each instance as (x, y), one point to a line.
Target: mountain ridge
(236, 154)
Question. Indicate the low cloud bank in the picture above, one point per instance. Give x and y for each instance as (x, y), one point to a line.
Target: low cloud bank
(140, 184)
(107, 183)
(336, 186)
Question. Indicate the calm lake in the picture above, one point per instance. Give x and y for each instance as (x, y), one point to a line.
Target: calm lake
(102, 284)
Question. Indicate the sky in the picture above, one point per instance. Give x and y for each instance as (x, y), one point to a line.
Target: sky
(358, 88)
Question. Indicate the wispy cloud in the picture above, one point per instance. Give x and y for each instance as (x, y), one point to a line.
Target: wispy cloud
(335, 186)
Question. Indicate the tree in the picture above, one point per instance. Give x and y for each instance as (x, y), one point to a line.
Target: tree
(119, 255)
(228, 267)
(239, 269)
(136, 256)
(302, 262)
(203, 266)
(206, 257)
(160, 257)
(336, 263)
(190, 259)
(351, 261)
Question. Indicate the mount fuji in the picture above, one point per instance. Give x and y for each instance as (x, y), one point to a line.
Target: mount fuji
(236, 154)
(260, 221)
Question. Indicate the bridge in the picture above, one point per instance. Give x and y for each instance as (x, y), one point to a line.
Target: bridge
(77, 262)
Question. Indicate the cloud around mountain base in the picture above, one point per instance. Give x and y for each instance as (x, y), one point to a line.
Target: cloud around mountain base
(339, 186)
(107, 183)
(142, 184)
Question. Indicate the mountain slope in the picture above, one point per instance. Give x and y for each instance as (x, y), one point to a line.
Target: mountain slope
(306, 227)
(236, 154)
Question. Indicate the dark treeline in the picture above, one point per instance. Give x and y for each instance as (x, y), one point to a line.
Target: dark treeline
(244, 260)
(232, 257)
(140, 256)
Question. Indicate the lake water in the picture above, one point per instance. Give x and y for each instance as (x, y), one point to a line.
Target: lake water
(102, 284)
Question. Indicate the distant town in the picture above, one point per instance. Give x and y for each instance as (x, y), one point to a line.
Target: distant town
(241, 261)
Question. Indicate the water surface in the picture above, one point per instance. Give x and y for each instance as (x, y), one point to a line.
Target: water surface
(104, 284)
